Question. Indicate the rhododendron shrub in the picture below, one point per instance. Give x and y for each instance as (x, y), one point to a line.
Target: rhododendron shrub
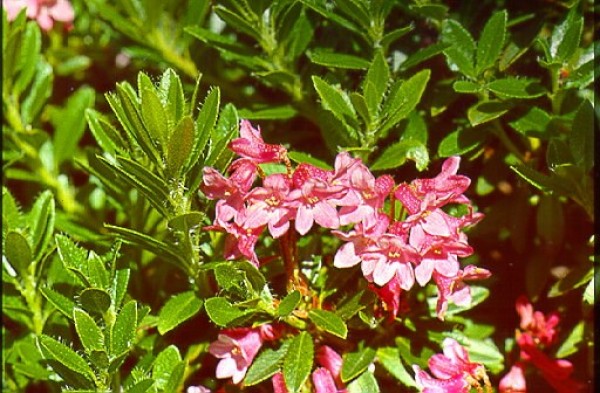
(298, 196)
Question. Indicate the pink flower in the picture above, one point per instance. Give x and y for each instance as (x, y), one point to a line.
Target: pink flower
(251, 145)
(241, 238)
(390, 295)
(268, 205)
(541, 328)
(305, 172)
(514, 380)
(236, 348)
(197, 389)
(45, 12)
(323, 381)
(454, 289)
(313, 202)
(389, 256)
(453, 371)
(328, 358)
(279, 383)
(358, 240)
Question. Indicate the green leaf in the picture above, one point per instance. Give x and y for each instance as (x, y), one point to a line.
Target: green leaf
(180, 145)
(288, 304)
(403, 98)
(478, 296)
(28, 57)
(204, 124)
(550, 220)
(467, 87)
(95, 300)
(365, 383)
(581, 141)
(481, 351)
(461, 141)
(39, 92)
(171, 90)
(335, 100)
(483, 112)
(97, 273)
(337, 60)
(89, 333)
(397, 154)
(533, 123)
(69, 124)
(187, 221)
(435, 11)
(376, 83)
(282, 112)
(240, 22)
(41, 223)
(164, 364)
(588, 294)
(119, 286)
(58, 351)
(176, 377)
(300, 34)
(461, 52)
(227, 128)
(576, 278)
(177, 310)
(267, 363)
(357, 302)
(18, 252)
(329, 322)
(566, 36)
(298, 361)
(220, 311)
(11, 213)
(153, 113)
(491, 41)
(62, 303)
(109, 139)
(122, 334)
(355, 363)
(141, 387)
(300, 157)
(423, 54)
(389, 358)
(516, 88)
(572, 342)
(395, 34)
(535, 178)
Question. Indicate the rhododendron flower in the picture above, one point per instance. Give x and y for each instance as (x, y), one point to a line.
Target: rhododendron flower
(389, 256)
(236, 348)
(251, 145)
(542, 329)
(278, 383)
(198, 389)
(390, 295)
(323, 381)
(304, 172)
(328, 358)
(268, 205)
(453, 371)
(313, 204)
(454, 289)
(45, 12)
(514, 380)
(241, 239)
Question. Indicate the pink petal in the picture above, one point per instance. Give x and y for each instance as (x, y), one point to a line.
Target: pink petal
(384, 271)
(323, 381)
(346, 256)
(424, 270)
(326, 215)
(304, 219)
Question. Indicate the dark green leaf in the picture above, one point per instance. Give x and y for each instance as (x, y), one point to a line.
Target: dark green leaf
(357, 302)
(18, 252)
(516, 88)
(491, 41)
(105, 134)
(164, 364)
(171, 90)
(329, 322)
(424, 54)
(177, 310)
(187, 221)
(403, 98)
(300, 35)
(461, 52)
(28, 57)
(581, 141)
(337, 60)
(298, 361)
(466, 87)
(550, 220)
(38, 93)
(535, 178)
(180, 145)
(461, 141)
(397, 154)
(435, 11)
(95, 300)
(300, 157)
(335, 100)
(576, 278)
(267, 363)
(572, 342)
(282, 112)
(376, 83)
(566, 36)
(227, 128)
(355, 363)
(122, 334)
(389, 358)
(69, 124)
(240, 22)
(394, 35)
(483, 112)
(153, 112)
(533, 123)
(119, 286)
(62, 303)
(558, 153)
(288, 304)
(141, 387)
(41, 223)
(58, 351)
(90, 334)
(220, 311)
(365, 383)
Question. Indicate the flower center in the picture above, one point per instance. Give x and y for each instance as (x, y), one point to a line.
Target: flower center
(272, 201)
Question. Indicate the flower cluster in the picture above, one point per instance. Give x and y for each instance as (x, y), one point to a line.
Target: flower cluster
(45, 12)
(453, 371)
(393, 253)
(536, 333)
